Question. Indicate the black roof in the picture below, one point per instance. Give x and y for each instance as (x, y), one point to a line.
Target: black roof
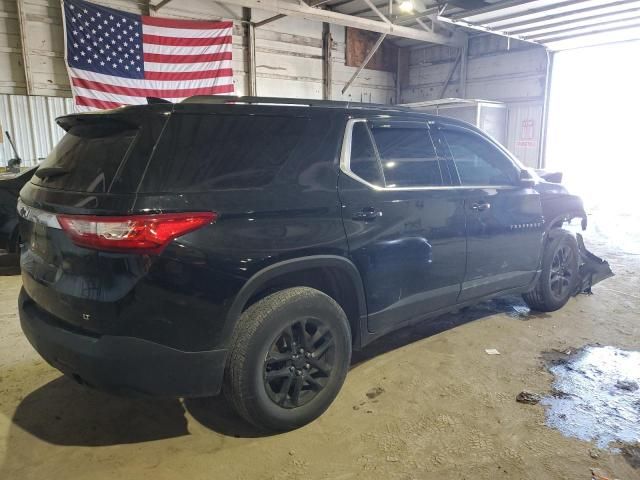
(300, 102)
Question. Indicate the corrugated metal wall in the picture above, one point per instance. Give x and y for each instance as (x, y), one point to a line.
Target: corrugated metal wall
(30, 121)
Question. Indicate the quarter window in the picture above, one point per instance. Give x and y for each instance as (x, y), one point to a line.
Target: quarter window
(408, 156)
(478, 161)
(363, 161)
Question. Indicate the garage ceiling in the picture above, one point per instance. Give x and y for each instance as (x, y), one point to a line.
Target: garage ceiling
(556, 24)
(560, 24)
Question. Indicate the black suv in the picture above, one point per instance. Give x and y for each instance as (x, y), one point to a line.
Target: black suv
(246, 245)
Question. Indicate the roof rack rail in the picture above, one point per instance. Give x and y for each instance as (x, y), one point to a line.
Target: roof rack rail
(306, 102)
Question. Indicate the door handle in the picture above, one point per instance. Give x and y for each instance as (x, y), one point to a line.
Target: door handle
(367, 214)
(480, 206)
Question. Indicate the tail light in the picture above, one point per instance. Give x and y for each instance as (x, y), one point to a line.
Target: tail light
(134, 233)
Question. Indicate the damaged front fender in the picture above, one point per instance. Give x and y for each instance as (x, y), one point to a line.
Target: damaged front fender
(592, 270)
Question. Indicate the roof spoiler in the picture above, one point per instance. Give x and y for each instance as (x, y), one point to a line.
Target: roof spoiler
(156, 100)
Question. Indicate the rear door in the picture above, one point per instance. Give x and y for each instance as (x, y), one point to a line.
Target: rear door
(504, 219)
(404, 224)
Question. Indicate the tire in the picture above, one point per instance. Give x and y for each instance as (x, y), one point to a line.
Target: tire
(559, 277)
(289, 357)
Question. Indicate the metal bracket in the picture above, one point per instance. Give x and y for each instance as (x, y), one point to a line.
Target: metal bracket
(157, 7)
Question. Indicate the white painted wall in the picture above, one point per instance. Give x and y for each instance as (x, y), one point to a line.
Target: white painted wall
(288, 51)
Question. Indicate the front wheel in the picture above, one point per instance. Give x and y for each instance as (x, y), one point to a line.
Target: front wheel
(559, 277)
(289, 358)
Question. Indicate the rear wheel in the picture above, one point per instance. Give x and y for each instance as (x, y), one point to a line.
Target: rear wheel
(289, 358)
(559, 277)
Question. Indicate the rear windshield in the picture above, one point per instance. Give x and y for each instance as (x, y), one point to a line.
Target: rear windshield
(205, 152)
(87, 158)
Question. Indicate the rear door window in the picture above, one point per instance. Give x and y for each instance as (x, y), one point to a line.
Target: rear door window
(212, 152)
(408, 156)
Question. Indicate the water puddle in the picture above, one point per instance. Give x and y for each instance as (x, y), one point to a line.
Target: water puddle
(596, 397)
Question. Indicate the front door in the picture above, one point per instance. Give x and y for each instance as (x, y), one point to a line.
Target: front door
(504, 219)
(404, 224)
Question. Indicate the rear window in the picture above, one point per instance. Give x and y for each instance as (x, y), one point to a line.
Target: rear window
(87, 158)
(206, 152)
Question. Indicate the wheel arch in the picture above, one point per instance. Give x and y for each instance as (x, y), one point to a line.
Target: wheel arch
(558, 220)
(333, 275)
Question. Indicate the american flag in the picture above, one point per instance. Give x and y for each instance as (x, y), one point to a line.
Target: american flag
(118, 58)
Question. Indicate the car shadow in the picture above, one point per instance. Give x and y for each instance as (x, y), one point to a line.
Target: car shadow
(64, 413)
(512, 305)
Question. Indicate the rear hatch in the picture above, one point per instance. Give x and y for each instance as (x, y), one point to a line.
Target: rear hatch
(94, 170)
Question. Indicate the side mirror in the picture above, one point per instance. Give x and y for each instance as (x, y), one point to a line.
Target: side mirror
(526, 180)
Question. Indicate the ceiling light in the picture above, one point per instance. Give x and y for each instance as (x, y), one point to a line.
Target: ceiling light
(406, 6)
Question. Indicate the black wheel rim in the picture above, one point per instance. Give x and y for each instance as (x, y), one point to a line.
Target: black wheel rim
(560, 279)
(299, 363)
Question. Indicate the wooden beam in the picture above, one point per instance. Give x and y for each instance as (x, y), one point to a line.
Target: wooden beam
(296, 9)
(269, 20)
(327, 62)
(24, 46)
(250, 32)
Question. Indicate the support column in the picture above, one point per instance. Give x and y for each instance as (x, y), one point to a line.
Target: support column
(327, 62)
(24, 46)
(464, 60)
(250, 31)
(402, 73)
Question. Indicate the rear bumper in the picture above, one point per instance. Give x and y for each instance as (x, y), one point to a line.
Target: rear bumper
(125, 365)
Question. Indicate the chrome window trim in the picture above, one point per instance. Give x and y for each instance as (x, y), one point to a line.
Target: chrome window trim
(345, 160)
(36, 215)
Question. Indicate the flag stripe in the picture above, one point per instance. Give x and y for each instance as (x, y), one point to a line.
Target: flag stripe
(148, 83)
(211, 57)
(197, 75)
(190, 24)
(185, 67)
(148, 92)
(128, 99)
(149, 39)
(184, 32)
(172, 50)
(112, 97)
(92, 102)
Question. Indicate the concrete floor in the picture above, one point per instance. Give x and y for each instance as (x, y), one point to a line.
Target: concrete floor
(447, 409)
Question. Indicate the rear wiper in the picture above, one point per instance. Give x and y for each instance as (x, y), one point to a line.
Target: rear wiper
(48, 172)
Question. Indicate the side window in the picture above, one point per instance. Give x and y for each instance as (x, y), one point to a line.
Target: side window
(363, 161)
(478, 161)
(408, 156)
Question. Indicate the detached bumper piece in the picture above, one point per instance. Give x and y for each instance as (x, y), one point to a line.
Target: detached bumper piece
(123, 365)
(593, 269)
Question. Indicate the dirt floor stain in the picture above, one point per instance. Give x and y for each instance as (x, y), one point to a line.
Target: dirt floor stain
(595, 397)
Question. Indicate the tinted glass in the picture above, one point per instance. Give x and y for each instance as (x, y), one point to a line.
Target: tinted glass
(205, 152)
(478, 161)
(363, 161)
(408, 157)
(87, 158)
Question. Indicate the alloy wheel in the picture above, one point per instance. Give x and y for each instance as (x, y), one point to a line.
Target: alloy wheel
(560, 279)
(299, 363)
